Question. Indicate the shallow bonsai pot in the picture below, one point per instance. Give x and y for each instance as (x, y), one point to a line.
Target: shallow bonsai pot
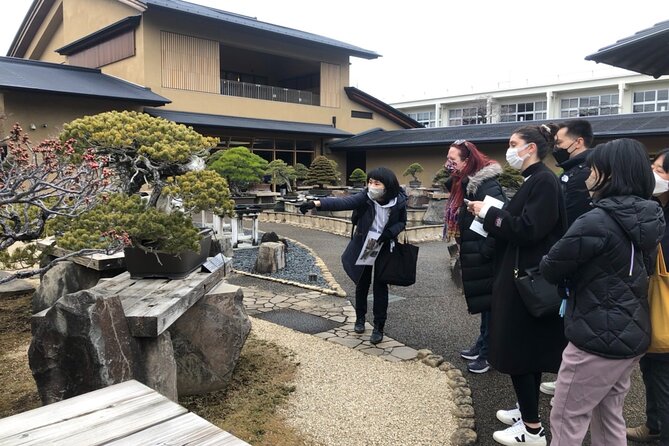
(143, 264)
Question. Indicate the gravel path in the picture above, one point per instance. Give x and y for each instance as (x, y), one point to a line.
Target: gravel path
(414, 403)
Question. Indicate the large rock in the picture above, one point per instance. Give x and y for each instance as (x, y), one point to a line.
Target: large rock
(434, 215)
(83, 344)
(64, 278)
(160, 368)
(208, 340)
(271, 257)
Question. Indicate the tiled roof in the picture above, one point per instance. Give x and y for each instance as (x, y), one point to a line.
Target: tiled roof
(645, 52)
(251, 22)
(381, 108)
(233, 122)
(618, 126)
(31, 75)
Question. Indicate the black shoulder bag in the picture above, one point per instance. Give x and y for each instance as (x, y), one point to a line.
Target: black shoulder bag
(540, 297)
(396, 264)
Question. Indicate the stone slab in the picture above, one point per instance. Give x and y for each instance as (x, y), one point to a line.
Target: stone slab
(16, 286)
(299, 321)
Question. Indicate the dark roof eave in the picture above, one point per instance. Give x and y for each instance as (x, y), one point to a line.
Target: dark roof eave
(382, 108)
(86, 95)
(103, 34)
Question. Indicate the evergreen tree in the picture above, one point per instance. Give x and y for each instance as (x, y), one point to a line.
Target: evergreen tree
(321, 172)
(240, 167)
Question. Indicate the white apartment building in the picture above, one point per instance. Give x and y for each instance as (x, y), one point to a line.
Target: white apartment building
(634, 93)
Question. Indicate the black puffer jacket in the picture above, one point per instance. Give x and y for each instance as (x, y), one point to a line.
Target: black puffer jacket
(607, 255)
(476, 251)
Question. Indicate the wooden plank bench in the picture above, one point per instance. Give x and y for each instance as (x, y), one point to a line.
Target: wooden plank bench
(152, 305)
(128, 413)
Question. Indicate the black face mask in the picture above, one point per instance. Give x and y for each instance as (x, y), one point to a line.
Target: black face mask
(560, 155)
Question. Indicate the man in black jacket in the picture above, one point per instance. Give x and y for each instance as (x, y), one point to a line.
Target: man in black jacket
(572, 141)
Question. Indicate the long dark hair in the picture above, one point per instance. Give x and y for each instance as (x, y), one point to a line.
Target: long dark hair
(389, 180)
(623, 168)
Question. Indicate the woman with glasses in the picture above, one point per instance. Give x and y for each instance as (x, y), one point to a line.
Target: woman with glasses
(522, 345)
(607, 255)
(472, 177)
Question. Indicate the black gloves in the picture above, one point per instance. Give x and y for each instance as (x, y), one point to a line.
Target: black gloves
(304, 207)
(385, 236)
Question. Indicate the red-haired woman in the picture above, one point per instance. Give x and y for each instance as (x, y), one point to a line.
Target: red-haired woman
(473, 176)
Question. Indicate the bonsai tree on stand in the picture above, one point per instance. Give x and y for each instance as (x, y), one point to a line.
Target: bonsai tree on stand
(281, 174)
(239, 166)
(358, 177)
(322, 172)
(412, 170)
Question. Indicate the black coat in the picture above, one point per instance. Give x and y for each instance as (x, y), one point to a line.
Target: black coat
(576, 195)
(533, 221)
(476, 251)
(366, 212)
(607, 256)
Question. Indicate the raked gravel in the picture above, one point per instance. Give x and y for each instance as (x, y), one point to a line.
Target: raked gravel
(344, 397)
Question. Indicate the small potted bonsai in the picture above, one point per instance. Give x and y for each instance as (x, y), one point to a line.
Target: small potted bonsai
(168, 157)
(240, 167)
(301, 174)
(358, 177)
(440, 178)
(321, 172)
(412, 170)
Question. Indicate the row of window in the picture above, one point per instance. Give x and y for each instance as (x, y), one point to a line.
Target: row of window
(596, 105)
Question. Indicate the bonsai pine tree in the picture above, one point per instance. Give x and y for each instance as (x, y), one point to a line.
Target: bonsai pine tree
(141, 148)
(358, 176)
(510, 177)
(441, 177)
(412, 170)
(301, 172)
(321, 172)
(239, 166)
(281, 173)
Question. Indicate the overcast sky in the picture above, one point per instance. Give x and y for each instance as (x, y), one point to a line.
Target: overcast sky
(440, 48)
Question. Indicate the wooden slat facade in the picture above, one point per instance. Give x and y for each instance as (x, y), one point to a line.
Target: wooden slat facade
(330, 85)
(113, 50)
(190, 63)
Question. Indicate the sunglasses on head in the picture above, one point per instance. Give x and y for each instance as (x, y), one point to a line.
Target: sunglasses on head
(463, 143)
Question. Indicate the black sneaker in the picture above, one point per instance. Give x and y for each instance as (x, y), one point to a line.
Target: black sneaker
(470, 354)
(479, 365)
(359, 326)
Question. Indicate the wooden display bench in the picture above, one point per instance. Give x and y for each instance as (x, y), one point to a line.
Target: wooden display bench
(128, 413)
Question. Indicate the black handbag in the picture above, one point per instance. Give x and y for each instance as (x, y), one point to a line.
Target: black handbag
(540, 297)
(396, 263)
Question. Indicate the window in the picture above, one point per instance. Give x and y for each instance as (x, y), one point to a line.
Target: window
(605, 104)
(289, 150)
(650, 101)
(524, 111)
(467, 116)
(361, 114)
(425, 118)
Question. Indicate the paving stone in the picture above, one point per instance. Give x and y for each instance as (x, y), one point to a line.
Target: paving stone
(389, 344)
(391, 358)
(347, 342)
(278, 299)
(338, 319)
(373, 351)
(404, 353)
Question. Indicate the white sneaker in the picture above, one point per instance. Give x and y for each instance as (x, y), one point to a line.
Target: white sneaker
(548, 388)
(552, 401)
(517, 434)
(509, 417)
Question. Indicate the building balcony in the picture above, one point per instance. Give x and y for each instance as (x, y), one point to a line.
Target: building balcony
(268, 93)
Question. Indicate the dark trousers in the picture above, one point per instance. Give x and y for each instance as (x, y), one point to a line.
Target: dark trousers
(527, 392)
(380, 291)
(656, 380)
(482, 341)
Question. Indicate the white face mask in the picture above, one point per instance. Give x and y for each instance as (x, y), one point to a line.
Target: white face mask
(661, 185)
(514, 159)
(375, 193)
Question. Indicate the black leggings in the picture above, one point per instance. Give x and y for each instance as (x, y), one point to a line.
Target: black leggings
(527, 392)
(380, 291)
